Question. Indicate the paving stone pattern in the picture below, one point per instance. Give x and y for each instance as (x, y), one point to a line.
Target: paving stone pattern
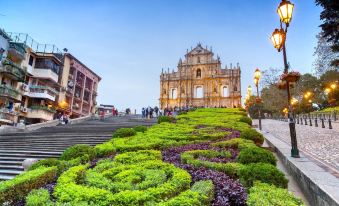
(52, 141)
(322, 144)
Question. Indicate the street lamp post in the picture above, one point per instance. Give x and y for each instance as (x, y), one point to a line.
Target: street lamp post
(278, 38)
(257, 75)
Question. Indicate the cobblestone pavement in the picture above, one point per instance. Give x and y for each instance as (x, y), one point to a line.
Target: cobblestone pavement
(322, 144)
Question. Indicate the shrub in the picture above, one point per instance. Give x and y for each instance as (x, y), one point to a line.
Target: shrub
(124, 132)
(201, 194)
(263, 172)
(265, 194)
(78, 150)
(242, 109)
(235, 143)
(253, 135)
(206, 189)
(39, 197)
(105, 149)
(21, 185)
(139, 156)
(140, 128)
(246, 120)
(69, 189)
(166, 119)
(113, 183)
(190, 157)
(256, 155)
(50, 162)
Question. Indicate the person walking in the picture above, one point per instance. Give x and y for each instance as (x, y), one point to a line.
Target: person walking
(151, 112)
(143, 112)
(146, 112)
(156, 110)
(66, 119)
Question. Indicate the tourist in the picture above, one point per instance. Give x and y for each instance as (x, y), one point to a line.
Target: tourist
(102, 115)
(146, 112)
(143, 112)
(66, 119)
(156, 109)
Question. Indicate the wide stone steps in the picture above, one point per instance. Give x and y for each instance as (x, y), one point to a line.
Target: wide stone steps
(51, 142)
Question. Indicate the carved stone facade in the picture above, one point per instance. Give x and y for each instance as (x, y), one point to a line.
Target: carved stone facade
(200, 82)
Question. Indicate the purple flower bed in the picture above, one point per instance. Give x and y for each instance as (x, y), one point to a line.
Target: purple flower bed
(227, 190)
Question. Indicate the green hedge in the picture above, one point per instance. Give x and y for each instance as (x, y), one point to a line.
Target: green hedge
(236, 143)
(140, 128)
(191, 157)
(263, 172)
(62, 165)
(77, 151)
(256, 155)
(21, 185)
(50, 162)
(124, 132)
(145, 180)
(201, 194)
(246, 120)
(265, 194)
(252, 134)
(166, 119)
(39, 197)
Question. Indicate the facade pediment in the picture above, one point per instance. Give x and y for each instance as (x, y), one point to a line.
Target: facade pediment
(199, 50)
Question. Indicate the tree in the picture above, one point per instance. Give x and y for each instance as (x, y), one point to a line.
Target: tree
(270, 76)
(274, 99)
(328, 78)
(330, 25)
(324, 56)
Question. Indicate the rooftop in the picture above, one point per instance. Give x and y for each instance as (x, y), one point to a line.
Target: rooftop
(34, 45)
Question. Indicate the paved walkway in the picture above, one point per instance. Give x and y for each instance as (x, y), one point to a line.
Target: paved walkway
(321, 144)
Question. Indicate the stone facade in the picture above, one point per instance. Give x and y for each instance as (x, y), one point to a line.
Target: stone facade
(200, 82)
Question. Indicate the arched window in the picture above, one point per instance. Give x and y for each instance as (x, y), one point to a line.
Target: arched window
(174, 94)
(225, 91)
(198, 59)
(199, 93)
(235, 88)
(198, 73)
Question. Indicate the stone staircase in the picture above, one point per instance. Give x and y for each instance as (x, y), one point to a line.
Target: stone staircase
(50, 142)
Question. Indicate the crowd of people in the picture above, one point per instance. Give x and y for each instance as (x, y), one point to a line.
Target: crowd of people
(150, 112)
(63, 118)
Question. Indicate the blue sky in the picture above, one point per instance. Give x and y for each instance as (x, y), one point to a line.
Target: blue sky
(127, 42)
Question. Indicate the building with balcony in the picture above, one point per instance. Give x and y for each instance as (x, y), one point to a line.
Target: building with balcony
(12, 74)
(79, 87)
(43, 63)
(200, 82)
(38, 80)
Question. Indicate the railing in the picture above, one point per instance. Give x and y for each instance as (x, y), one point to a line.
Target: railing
(323, 120)
(44, 108)
(5, 114)
(19, 47)
(40, 87)
(8, 91)
(13, 69)
(35, 46)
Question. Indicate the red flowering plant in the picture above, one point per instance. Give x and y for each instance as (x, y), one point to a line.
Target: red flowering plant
(290, 76)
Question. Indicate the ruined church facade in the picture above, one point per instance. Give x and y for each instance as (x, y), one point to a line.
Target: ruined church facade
(200, 82)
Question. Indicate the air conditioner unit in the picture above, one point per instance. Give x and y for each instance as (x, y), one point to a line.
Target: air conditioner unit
(70, 83)
(23, 109)
(25, 87)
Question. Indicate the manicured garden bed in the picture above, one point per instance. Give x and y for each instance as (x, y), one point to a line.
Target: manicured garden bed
(204, 157)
